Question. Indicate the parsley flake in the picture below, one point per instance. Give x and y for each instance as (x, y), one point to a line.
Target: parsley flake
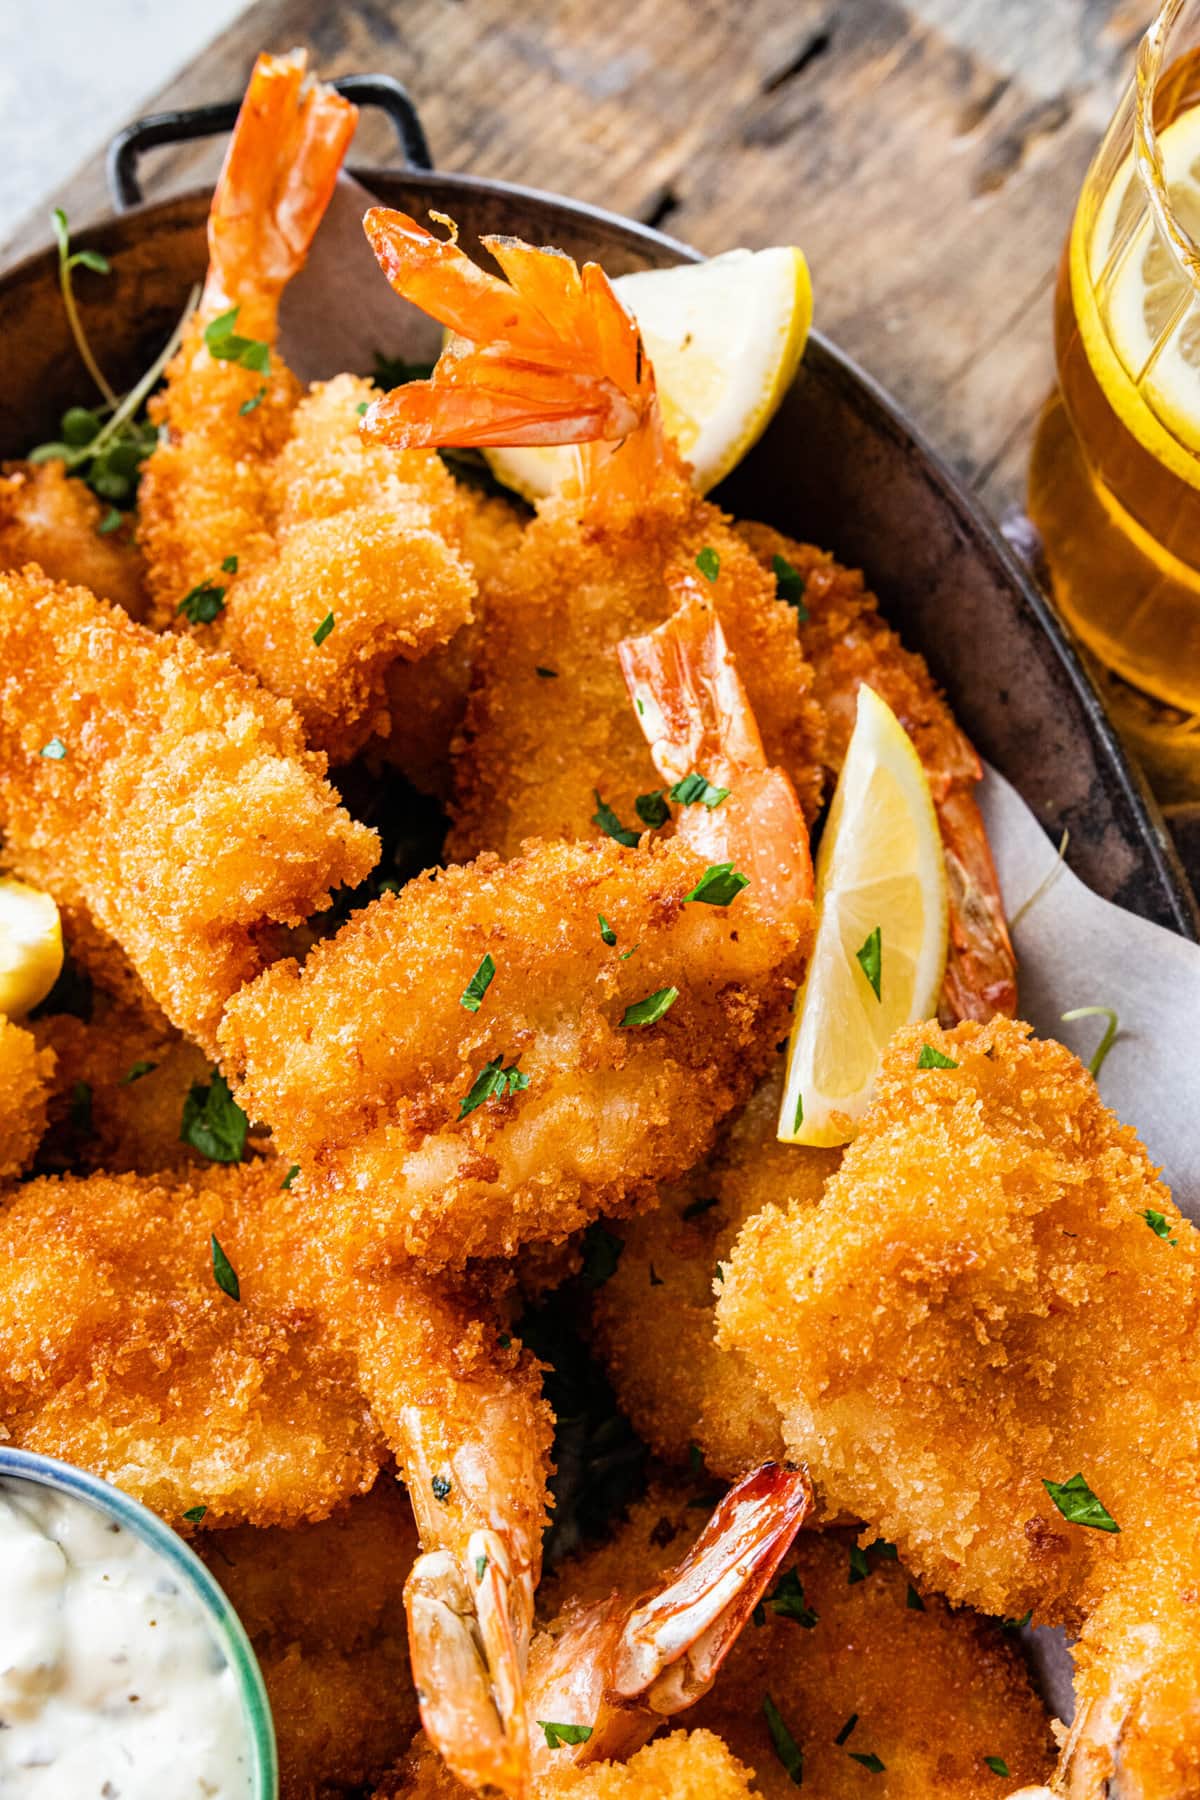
(799, 1119)
(607, 820)
(481, 1563)
(709, 563)
(224, 1273)
(1078, 1505)
(1110, 1032)
(1016, 1624)
(652, 809)
(546, 674)
(869, 1760)
(788, 1602)
(55, 750)
(789, 585)
(492, 1080)
(111, 520)
(472, 995)
(870, 959)
(203, 604)
(860, 1568)
(225, 345)
(213, 1123)
(558, 1735)
(79, 1113)
(847, 1728)
(997, 1765)
(361, 408)
(194, 1514)
(323, 629)
(440, 1487)
(229, 565)
(696, 788)
(719, 885)
(601, 1254)
(913, 1600)
(290, 1176)
(786, 1748)
(1159, 1226)
(135, 1073)
(933, 1059)
(650, 1010)
(255, 400)
(606, 931)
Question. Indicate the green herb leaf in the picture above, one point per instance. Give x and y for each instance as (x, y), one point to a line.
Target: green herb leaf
(225, 345)
(558, 1735)
(492, 1079)
(290, 1176)
(440, 1487)
(229, 566)
(249, 405)
(860, 1568)
(91, 259)
(786, 1748)
(55, 750)
(135, 1073)
(933, 1059)
(111, 520)
(1078, 1505)
(203, 604)
(696, 788)
(606, 931)
(361, 408)
(601, 1254)
(719, 1273)
(869, 1760)
(546, 674)
(788, 1602)
(1109, 1038)
(194, 1514)
(323, 629)
(79, 1113)
(213, 1122)
(1159, 1226)
(626, 954)
(913, 1600)
(472, 995)
(870, 959)
(709, 563)
(1016, 1624)
(997, 1765)
(393, 371)
(847, 1728)
(652, 809)
(481, 1563)
(650, 1010)
(789, 584)
(607, 820)
(720, 884)
(58, 224)
(224, 1273)
(799, 1119)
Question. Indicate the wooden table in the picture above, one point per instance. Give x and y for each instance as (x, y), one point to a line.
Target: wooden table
(927, 156)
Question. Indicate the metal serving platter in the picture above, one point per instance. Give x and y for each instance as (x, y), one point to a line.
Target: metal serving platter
(840, 465)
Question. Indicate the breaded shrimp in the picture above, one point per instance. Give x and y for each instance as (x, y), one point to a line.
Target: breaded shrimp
(846, 643)
(324, 1607)
(654, 1319)
(166, 790)
(555, 358)
(984, 1343)
(687, 1765)
(26, 1074)
(53, 519)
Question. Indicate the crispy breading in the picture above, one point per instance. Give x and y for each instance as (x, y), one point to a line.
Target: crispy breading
(119, 1351)
(361, 1060)
(184, 808)
(53, 519)
(538, 746)
(26, 1074)
(654, 1319)
(687, 1765)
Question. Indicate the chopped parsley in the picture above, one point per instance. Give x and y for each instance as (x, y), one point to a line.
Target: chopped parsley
(203, 604)
(933, 1059)
(481, 1563)
(719, 1273)
(194, 1514)
(860, 1568)
(997, 1765)
(607, 820)
(652, 809)
(870, 959)
(1159, 1226)
(1078, 1505)
(55, 750)
(869, 1760)
(472, 995)
(558, 1735)
(847, 1728)
(110, 522)
(225, 345)
(290, 1176)
(546, 674)
(601, 1254)
(788, 1602)
(786, 1748)
(606, 931)
(799, 1119)
(626, 954)
(913, 1600)
(440, 1487)
(720, 884)
(224, 1273)
(789, 584)
(229, 565)
(493, 1079)
(696, 788)
(323, 629)
(135, 1073)
(650, 1010)
(1016, 1624)
(249, 405)
(709, 563)
(213, 1123)
(1110, 1032)
(361, 408)
(79, 1113)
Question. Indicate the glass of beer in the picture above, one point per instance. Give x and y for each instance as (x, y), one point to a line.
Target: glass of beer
(1115, 475)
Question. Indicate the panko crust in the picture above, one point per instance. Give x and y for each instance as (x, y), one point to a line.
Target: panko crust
(26, 1077)
(687, 1765)
(53, 519)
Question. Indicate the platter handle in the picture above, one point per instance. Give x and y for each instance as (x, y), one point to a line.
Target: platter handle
(180, 127)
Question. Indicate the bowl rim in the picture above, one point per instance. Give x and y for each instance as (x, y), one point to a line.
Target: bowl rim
(78, 1484)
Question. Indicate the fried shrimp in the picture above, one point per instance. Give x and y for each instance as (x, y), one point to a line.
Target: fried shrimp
(983, 1342)
(166, 790)
(846, 643)
(26, 1074)
(53, 519)
(554, 358)
(687, 1765)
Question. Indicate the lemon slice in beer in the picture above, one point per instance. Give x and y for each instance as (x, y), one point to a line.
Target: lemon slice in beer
(31, 946)
(725, 338)
(880, 948)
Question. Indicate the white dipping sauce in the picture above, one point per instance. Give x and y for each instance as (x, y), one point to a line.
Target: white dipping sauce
(112, 1683)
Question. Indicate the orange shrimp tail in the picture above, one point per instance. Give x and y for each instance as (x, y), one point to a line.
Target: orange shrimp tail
(545, 355)
(276, 181)
(981, 967)
(697, 719)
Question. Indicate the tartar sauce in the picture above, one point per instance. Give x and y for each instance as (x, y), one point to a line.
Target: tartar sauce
(112, 1683)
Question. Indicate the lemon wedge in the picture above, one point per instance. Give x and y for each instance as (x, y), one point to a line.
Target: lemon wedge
(880, 948)
(31, 946)
(1138, 316)
(725, 338)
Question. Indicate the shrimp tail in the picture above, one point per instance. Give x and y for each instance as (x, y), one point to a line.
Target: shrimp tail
(981, 968)
(275, 184)
(545, 355)
(697, 719)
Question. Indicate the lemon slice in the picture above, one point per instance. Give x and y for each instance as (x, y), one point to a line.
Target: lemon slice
(880, 870)
(1138, 317)
(31, 946)
(725, 338)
